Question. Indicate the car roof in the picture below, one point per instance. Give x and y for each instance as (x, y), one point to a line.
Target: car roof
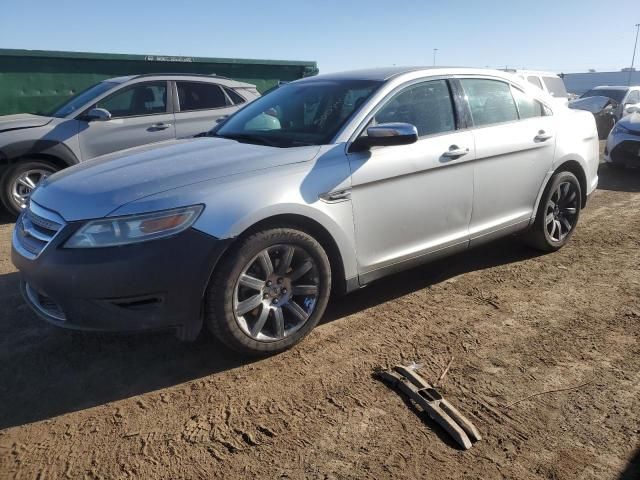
(182, 76)
(613, 87)
(542, 73)
(384, 74)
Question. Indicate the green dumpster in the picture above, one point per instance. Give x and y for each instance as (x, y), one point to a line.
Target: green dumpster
(34, 81)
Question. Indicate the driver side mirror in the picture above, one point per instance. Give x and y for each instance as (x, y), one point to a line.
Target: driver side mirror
(97, 114)
(386, 135)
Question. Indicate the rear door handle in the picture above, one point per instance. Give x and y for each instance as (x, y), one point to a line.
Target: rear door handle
(455, 152)
(542, 136)
(159, 126)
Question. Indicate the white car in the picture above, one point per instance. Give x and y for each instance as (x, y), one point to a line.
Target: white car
(325, 184)
(548, 82)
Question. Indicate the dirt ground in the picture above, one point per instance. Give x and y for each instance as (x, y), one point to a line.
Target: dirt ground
(515, 323)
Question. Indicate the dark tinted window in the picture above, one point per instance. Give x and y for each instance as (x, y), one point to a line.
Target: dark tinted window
(613, 94)
(200, 96)
(535, 81)
(527, 106)
(490, 101)
(140, 99)
(425, 105)
(235, 98)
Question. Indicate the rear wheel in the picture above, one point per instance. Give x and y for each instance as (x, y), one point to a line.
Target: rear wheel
(20, 180)
(269, 292)
(558, 213)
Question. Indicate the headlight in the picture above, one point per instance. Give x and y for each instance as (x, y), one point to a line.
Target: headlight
(620, 129)
(110, 232)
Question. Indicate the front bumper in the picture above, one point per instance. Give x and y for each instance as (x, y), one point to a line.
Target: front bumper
(153, 285)
(623, 149)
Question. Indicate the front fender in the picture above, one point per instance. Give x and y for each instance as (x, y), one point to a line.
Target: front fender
(235, 203)
(59, 140)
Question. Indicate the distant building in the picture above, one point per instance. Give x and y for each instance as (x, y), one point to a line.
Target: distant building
(579, 83)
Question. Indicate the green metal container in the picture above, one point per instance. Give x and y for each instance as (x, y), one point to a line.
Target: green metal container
(34, 81)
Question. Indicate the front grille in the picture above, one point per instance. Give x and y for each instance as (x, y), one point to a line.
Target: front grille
(35, 229)
(44, 304)
(627, 152)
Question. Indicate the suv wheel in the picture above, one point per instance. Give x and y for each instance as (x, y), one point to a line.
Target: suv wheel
(557, 214)
(20, 180)
(269, 292)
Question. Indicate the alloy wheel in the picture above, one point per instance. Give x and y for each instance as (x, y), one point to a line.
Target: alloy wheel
(25, 183)
(276, 293)
(561, 212)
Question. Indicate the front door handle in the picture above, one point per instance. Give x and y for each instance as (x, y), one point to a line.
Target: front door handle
(159, 126)
(455, 152)
(542, 136)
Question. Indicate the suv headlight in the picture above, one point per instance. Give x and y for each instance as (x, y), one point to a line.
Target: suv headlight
(111, 232)
(617, 128)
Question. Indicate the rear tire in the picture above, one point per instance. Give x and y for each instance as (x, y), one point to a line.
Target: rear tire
(558, 213)
(19, 181)
(269, 292)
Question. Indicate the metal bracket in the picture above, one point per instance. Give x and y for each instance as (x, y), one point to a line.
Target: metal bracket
(440, 410)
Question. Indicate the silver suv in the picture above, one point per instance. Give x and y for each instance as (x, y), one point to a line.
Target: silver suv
(112, 115)
(327, 183)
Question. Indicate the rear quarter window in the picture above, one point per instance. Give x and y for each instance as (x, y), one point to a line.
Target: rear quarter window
(234, 96)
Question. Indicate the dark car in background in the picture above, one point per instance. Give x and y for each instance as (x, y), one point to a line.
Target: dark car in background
(608, 105)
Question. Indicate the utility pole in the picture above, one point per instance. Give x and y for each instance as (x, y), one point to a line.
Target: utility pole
(435, 50)
(633, 59)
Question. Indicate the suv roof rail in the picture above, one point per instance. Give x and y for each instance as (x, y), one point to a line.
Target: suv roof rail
(173, 74)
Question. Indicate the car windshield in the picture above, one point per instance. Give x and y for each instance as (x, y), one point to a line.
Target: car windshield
(296, 114)
(613, 94)
(72, 104)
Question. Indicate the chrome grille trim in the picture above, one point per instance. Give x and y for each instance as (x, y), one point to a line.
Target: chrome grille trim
(35, 229)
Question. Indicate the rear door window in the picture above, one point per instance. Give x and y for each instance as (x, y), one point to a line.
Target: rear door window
(490, 101)
(535, 81)
(200, 96)
(528, 107)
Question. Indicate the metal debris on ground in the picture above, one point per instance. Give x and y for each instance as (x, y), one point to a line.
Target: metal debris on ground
(440, 410)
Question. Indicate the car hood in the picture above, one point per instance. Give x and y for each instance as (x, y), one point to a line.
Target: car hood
(95, 188)
(594, 104)
(631, 122)
(22, 120)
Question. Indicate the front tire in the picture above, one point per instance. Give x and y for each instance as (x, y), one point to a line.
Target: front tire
(20, 180)
(558, 213)
(269, 292)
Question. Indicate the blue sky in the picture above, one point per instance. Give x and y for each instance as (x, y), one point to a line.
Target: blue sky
(560, 35)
